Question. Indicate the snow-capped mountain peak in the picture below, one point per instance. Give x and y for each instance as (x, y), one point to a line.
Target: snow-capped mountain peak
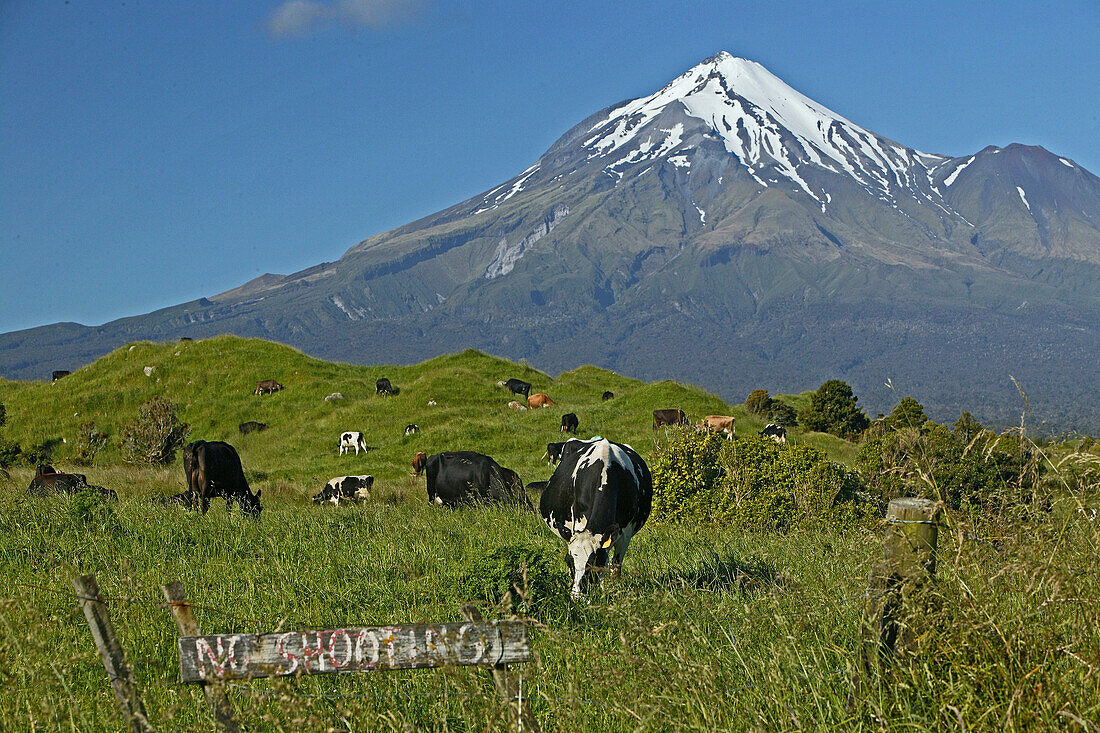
(764, 123)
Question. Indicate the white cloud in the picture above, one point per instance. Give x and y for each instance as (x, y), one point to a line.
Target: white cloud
(301, 17)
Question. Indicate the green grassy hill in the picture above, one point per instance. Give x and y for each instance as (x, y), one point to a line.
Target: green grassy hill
(212, 382)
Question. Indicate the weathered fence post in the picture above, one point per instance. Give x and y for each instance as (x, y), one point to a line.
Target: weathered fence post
(506, 684)
(110, 651)
(891, 623)
(185, 621)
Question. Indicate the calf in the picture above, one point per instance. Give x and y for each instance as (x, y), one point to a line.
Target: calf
(267, 386)
(345, 490)
(569, 423)
(669, 417)
(599, 496)
(412, 429)
(607, 396)
(351, 440)
(214, 469)
(460, 477)
(517, 386)
(778, 433)
(718, 423)
(540, 400)
(384, 388)
(48, 481)
(251, 427)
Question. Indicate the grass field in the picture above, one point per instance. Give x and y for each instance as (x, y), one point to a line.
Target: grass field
(707, 628)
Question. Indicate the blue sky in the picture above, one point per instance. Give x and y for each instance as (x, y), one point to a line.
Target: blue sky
(155, 152)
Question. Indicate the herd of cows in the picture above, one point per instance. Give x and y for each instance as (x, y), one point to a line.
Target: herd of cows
(598, 497)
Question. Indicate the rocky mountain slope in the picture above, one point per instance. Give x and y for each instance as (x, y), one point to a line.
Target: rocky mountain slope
(727, 231)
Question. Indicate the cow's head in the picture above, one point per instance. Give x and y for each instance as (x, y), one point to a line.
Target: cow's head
(250, 504)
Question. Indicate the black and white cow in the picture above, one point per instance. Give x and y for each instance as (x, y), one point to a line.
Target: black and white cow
(599, 496)
(569, 423)
(460, 477)
(345, 490)
(412, 429)
(352, 439)
(778, 433)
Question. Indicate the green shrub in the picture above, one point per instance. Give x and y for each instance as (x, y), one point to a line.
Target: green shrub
(41, 452)
(528, 579)
(834, 409)
(9, 453)
(89, 506)
(994, 473)
(783, 414)
(154, 436)
(89, 442)
(752, 482)
(758, 401)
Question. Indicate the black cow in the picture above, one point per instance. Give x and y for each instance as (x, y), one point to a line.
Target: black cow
(48, 481)
(383, 387)
(553, 452)
(459, 477)
(598, 497)
(345, 490)
(569, 423)
(669, 417)
(517, 386)
(60, 373)
(251, 427)
(214, 469)
(607, 396)
(778, 433)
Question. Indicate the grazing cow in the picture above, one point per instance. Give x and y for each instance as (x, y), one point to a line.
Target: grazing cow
(608, 396)
(540, 400)
(569, 423)
(459, 477)
(412, 429)
(48, 481)
(60, 373)
(718, 423)
(598, 497)
(517, 386)
(384, 388)
(669, 417)
(181, 499)
(186, 338)
(214, 469)
(351, 440)
(345, 490)
(778, 433)
(267, 386)
(420, 460)
(251, 427)
(518, 407)
(553, 452)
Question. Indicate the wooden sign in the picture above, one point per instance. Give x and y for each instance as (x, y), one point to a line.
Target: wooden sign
(362, 649)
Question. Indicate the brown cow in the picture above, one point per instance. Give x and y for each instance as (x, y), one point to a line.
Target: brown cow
(267, 386)
(540, 400)
(419, 461)
(720, 423)
(669, 417)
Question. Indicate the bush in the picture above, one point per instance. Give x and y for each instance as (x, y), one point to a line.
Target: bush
(996, 473)
(41, 452)
(834, 409)
(89, 441)
(967, 427)
(752, 482)
(154, 436)
(758, 401)
(527, 578)
(90, 506)
(783, 414)
(908, 414)
(9, 453)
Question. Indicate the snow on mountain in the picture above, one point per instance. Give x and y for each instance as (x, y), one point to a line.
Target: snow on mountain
(764, 123)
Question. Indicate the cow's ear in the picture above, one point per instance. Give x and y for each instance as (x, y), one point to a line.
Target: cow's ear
(258, 493)
(612, 535)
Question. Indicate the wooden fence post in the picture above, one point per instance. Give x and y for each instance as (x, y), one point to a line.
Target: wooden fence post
(185, 621)
(110, 651)
(506, 684)
(891, 623)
